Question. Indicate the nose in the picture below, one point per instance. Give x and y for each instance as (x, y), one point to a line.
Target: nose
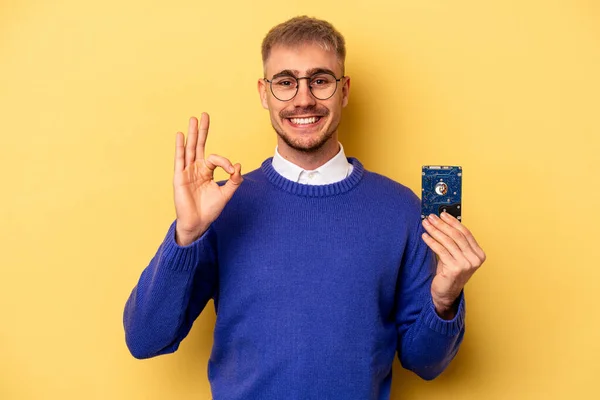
(304, 97)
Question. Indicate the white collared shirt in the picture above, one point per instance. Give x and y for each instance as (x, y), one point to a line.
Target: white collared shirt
(334, 170)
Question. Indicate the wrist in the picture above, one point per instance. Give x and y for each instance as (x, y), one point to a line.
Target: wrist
(445, 310)
(185, 238)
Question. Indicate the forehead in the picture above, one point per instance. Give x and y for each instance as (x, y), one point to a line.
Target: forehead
(301, 59)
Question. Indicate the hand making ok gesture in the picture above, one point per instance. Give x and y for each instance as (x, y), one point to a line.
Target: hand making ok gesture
(199, 200)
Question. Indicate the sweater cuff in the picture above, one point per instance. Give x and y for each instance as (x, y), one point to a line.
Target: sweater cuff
(184, 258)
(445, 327)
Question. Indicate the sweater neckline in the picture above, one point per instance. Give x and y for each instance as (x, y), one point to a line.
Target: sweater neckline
(301, 189)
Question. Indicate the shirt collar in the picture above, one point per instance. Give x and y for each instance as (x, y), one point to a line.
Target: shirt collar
(332, 171)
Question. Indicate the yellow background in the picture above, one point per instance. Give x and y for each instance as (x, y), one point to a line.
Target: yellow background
(92, 93)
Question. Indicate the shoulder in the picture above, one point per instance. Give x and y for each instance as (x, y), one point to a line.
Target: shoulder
(391, 198)
(393, 190)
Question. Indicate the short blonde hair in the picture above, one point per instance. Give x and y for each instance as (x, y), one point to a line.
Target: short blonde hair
(301, 30)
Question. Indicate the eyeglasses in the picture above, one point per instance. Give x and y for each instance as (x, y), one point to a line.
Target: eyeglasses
(322, 86)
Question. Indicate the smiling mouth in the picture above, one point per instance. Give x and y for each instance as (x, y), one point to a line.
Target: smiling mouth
(304, 121)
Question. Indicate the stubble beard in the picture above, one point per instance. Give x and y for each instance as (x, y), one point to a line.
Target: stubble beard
(302, 145)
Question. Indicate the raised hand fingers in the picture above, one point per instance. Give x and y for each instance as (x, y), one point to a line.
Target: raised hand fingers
(179, 152)
(202, 134)
(190, 144)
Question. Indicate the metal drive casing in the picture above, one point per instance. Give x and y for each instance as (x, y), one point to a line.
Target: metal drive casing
(441, 190)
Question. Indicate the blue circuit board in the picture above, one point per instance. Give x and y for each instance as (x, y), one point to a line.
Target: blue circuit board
(441, 190)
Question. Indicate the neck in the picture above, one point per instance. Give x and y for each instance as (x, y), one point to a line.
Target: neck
(309, 160)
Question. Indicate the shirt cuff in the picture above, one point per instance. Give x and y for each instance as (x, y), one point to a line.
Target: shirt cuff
(184, 258)
(445, 327)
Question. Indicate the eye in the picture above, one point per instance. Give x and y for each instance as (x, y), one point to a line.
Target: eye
(321, 80)
(285, 83)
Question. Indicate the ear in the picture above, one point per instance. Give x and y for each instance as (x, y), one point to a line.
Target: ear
(345, 91)
(262, 92)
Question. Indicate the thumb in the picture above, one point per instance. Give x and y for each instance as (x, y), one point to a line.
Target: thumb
(233, 183)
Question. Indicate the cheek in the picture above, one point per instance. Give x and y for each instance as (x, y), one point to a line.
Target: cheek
(272, 106)
(335, 108)
(274, 110)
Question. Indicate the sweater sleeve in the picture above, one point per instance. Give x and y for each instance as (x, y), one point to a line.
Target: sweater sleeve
(170, 294)
(426, 342)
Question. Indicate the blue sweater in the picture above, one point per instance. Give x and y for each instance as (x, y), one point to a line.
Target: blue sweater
(315, 289)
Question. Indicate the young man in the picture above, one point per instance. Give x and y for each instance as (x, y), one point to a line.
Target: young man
(320, 270)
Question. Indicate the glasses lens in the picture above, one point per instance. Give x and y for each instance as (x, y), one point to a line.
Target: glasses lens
(323, 85)
(284, 87)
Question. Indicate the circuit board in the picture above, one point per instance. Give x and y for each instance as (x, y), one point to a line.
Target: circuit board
(441, 190)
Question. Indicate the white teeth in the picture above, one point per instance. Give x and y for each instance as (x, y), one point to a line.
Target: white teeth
(303, 121)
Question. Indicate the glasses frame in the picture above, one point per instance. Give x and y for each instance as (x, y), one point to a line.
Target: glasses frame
(310, 89)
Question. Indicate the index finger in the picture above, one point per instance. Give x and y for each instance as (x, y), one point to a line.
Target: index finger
(202, 134)
(450, 219)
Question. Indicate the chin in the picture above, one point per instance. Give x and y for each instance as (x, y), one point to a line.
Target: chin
(306, 139)
(306, 144)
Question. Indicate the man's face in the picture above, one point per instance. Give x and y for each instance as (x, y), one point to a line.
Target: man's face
(304, 123)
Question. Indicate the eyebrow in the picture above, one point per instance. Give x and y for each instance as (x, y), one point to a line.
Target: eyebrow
(314, 71)
(310, 72)
(286, 72)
